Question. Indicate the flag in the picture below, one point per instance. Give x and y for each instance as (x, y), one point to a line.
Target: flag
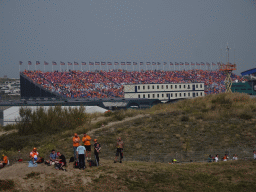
(158, 63)
(171, 63)
(53, 63)
(165, 63)
(116, 63)
(69, 63)
(207, 63)
(109, 63)
(192, 63)
(62, 63)
(202, 63)
(37, 62)
(176, 63)
(29, 63)
(134, 63)
(181, 63)
(141, 63)
(186, 63)
(128, 63)
(20, 62)
(83, 63)
(76, 63)
(97, 63)
(213, 63)
(122, 63)
(197, 63)
(91, 63)
(148, 63)
(153, 63)
(103, 63)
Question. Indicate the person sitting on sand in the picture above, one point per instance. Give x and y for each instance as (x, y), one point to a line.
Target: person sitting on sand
(235, 157)
(62, 161)
(53, 157)
(4, 162)
(33, 155)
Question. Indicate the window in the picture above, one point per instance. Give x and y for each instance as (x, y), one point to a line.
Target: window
(180, 94)
(189, 94)
(143, 95)
(167, 95)
(188, 86)
(153, 87)
(184, 86)
(138, 87)
(175, 94)
(166, 86)
(162, 87)
(143, 87)
(153, 95)
(196, 85)
(196, 94)
(175, 86)
(157, 95)
(162, 95)
(148, 95)
(201, 94)
(148, 87)
(171, 86)
(157, 86)
(201, 86)
(139, 96)
(180, 86)
(171, 95)
(184, 94)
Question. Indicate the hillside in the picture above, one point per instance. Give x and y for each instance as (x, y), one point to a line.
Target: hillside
(188, 130)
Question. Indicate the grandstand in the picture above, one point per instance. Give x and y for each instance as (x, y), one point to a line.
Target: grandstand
(110, 84)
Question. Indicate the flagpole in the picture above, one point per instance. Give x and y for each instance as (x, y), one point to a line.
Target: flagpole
(60, 67)
(44, 67)
(28, 66)
(19, 68)
(73, 66)
(52, 67)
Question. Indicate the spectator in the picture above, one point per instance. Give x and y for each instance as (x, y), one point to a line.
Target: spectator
(5, 161)
(62, 161)
(53, 157)
(254, 155)
(97, 149)
(81, 151)
(235, 157)
(217, 158)
(119, 150)
(33, 155)
(209, 160)
(76, 141)
(87, 144)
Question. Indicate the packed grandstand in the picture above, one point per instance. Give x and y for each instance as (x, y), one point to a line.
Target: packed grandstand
(106, 84)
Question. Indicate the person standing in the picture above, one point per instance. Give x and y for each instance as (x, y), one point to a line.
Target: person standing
(119, 150)
(217, 158)
(254, 155)
(87, 144)
(80, 151)
(97, 149)
(76, 141)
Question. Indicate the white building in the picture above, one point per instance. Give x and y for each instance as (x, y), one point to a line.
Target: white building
(164, 92)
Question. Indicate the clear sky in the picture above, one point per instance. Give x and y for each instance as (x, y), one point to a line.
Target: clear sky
(125, 30)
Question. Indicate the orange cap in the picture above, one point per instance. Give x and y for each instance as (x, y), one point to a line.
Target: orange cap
(95, 140)
(75, 134)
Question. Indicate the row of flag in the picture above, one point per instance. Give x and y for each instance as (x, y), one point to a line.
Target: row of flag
(122, 63)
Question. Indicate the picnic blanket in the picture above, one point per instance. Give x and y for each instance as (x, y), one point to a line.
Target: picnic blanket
(30, 164)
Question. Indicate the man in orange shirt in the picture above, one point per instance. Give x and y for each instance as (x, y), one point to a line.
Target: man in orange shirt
(86, 140)
(76, 141)
(34, 155)
(4, 162)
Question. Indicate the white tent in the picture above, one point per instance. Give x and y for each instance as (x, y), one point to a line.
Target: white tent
(11, 114)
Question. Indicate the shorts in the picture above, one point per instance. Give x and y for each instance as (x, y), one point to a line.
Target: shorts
(119, 151)
(88, 147)
(4, 164)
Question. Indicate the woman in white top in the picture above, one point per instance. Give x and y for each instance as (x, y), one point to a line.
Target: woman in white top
(217, 158)
(235, 157)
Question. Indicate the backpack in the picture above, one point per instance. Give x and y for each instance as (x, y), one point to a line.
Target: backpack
(71, 159)
(92, 163)
(40, 160)
(76, 164)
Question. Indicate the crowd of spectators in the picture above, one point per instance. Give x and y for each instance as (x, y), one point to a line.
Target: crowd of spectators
(105, 84)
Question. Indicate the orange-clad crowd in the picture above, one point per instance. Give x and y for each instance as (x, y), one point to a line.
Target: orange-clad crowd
(103, 84)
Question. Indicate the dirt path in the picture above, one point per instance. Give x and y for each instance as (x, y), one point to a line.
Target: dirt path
(115, 123)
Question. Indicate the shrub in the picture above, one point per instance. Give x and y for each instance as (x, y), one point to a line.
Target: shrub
(6, 184)
(185, 118)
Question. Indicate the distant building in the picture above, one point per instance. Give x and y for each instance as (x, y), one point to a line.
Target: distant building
(164, 92)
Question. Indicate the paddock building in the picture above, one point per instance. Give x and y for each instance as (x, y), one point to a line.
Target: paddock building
(164, 92)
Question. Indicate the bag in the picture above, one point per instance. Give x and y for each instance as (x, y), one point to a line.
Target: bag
(40, 160)
(76, 164)
(71, 159)
(92, 163)
(47, 163)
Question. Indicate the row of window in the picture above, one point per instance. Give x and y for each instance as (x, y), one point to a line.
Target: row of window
(171, 95)
(169, 86)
